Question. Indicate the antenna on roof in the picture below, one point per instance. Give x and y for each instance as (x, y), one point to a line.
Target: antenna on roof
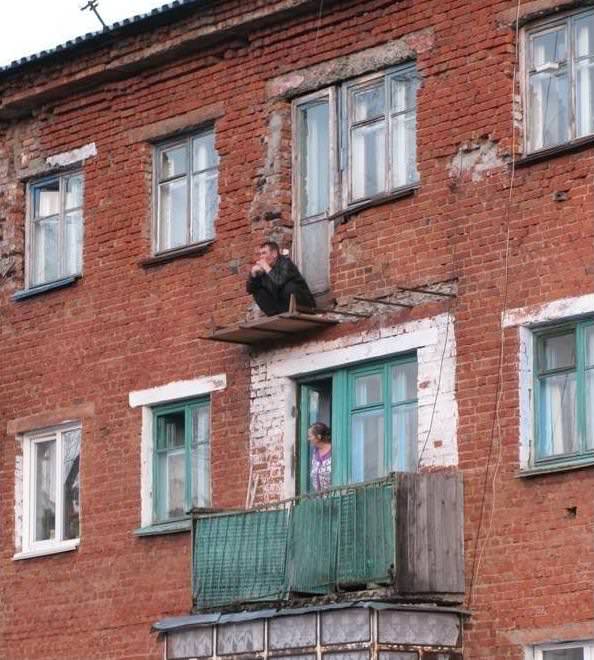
(92, 5)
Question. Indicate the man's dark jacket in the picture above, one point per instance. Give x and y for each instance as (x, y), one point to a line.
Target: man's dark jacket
(283, 280)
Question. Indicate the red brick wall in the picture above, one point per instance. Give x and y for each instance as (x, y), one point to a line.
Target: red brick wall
(125, 327)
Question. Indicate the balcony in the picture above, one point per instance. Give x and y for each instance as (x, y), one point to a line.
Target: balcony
(402, 535)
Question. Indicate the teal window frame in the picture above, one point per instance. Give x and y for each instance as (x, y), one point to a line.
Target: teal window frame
(582, 453)
(343, 409)
(187, 407)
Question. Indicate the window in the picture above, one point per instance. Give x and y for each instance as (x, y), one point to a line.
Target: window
(352, 143)
(186, 191)
(372, 412)
(560, 81)
(570, 651)
(51, 491)
(564, 392)
(181, 459)
(56, 228)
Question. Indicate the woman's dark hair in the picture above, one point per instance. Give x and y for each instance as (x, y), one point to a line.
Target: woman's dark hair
(321, 431)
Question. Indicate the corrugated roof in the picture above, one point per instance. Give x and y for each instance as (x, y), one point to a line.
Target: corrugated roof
(158, 12)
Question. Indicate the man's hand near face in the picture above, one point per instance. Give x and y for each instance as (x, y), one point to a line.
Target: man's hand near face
(263, 265)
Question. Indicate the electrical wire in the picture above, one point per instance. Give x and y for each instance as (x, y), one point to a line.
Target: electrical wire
(496, 432)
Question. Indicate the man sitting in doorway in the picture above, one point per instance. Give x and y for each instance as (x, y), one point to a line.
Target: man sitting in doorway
(273, 278)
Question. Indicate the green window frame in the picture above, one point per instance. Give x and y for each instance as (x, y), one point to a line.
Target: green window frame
(181, 459)
(385, 400)
(564, 393)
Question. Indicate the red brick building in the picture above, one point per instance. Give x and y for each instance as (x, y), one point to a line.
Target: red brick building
(429, 167)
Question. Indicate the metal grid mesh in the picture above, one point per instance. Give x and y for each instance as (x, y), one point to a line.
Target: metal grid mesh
(313, 544)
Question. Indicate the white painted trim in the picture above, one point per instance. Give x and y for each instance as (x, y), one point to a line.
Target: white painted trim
(556, 310)
(63, 546)
(177, 391)
(536, 652)
(362, 352)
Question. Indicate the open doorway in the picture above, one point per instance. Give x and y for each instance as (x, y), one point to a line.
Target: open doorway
(315, 406)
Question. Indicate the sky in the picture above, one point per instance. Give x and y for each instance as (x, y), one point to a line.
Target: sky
(29, 26)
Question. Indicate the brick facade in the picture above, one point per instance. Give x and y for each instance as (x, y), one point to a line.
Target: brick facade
(127, 325)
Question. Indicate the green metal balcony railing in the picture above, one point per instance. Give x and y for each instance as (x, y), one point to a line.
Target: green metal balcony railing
(343, 539)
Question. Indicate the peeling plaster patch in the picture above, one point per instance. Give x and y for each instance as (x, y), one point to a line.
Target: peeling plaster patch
(350, 66)
(71, 157)
(267, 201)
(273, 394)
(18, 497)
(476, 159)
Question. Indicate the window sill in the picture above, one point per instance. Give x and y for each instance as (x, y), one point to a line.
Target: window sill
(165, 528)
(557, 150)
(555, 467)
(65, 546)
(343, 216)
(194, 250)
(44, 288)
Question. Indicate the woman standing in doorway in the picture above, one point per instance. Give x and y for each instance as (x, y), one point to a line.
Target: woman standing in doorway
(318, 435)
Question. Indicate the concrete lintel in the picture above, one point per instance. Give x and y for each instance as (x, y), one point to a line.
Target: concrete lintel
(356, 64)
(54, 418)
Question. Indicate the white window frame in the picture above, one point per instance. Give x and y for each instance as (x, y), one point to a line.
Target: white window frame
(347, 121)
(537, 652)
(30, 547)
(566, 19)
(29, 234)
(184, 140)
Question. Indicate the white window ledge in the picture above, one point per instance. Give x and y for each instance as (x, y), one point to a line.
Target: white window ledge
(65, 546)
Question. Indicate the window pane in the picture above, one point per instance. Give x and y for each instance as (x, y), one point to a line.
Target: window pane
(172, 214)
(205, 154)
(45, 251)
(315, 255)
(171, 430)
(205, 203)
(549, 116)
(45, 490)
(368, 390)
(71, 484)
(404, 438)
(589, 338)
(403, 90)
(315, 164)
(584, 36)
(46, 199)
(584, 97)
(367, 452)
(590, 409)
(564, 654)
(200, 457)
(559, 352)
(369, 103)
(74, 191)
(173, 162)
(368, 160)
(404, 382)
(404, 149)
(172, 484)
(73, 242)
(548, 48)
(558, 431)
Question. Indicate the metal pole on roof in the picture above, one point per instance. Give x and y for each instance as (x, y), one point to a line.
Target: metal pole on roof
(92, 5)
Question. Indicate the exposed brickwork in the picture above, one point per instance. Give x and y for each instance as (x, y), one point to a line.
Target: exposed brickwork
(125, 327)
